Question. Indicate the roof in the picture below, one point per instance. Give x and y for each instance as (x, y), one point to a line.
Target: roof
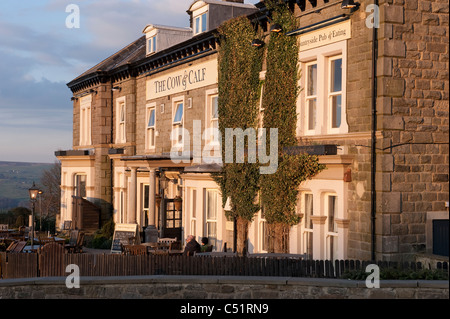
(135, 51)
(222, 2)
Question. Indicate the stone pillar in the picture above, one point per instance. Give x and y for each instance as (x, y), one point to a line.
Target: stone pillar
(319, 244)
(151, 232)
(132, 197)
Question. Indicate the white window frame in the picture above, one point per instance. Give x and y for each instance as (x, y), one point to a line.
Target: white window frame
(150, 131)
(193, 208)
(121, 123)
(323, 55)
(151, 44)
(332, 94)
(308, 98)
(211, 139)
(331, 235)
(202, 26)
(307, 231)
(86, 120)
(211, 220)
(178, 126)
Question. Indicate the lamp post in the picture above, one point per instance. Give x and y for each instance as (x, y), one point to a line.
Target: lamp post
(33, 191)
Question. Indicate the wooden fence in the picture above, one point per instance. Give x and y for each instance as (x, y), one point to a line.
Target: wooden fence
(45, 264)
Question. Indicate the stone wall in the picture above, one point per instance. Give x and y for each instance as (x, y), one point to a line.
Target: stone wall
(413, 90)
(199, 287)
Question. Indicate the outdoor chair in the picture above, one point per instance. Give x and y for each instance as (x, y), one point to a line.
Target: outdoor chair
(73, 240)
(135, 250)
(79, 245)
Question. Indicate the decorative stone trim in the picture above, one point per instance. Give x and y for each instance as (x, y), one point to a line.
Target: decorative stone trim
(319, 220)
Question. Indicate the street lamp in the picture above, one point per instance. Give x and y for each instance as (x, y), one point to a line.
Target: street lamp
(33, 191)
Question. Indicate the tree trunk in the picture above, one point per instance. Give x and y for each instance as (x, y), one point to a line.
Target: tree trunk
(280, 238)
(242, 236)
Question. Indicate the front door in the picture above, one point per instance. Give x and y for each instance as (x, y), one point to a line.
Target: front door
(172, 220)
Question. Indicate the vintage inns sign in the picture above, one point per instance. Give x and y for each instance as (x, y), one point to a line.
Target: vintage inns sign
(190, 78)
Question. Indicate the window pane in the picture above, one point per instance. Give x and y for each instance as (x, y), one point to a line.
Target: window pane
(308, 210)
(151, 120)
(212, 205)
(122, 113)
(336, 111)
(312, 114)
(197, 25)
(204, 22)
(214, 108)
(146, 192)
(331, 213)
(336, 75)
(154, 44)
(179, 113)
(150, 44)
(312, 80)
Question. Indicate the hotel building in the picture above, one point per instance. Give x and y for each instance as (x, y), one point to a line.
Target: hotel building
(374, 85)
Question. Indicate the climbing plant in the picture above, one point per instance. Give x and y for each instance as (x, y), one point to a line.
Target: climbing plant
(279, 191)
(239, 65)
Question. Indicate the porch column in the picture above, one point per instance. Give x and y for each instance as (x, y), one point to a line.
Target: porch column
(132, 211)
(319, 240)
(342, 225)
(151, 232)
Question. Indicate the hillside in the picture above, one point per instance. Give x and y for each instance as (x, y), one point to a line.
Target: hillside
(15, 180)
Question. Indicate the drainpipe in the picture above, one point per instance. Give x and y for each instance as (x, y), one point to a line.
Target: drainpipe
(373, 135)
(111, 166)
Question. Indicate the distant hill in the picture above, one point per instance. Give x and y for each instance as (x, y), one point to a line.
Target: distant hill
(15, 180)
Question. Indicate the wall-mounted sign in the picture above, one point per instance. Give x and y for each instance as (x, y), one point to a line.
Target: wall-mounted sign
(193, 77)
(334, 33)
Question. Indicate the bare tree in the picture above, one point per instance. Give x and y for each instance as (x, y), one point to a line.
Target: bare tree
(51, 187)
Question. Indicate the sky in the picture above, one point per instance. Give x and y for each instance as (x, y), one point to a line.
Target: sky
(40, 54)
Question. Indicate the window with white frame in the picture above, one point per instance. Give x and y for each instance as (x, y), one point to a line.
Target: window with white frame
(80, 185)
(308, 210)
(193, 207)
(121, 121)
(85, 120)
(311, 96)
(331, 231)
(177, 124)
(211, 215)
(150, 135)
(200, 23)
(151, 45)
(322, 105)
(335, 92)
(212, 118)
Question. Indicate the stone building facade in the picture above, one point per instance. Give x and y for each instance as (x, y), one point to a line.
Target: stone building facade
(381, 190)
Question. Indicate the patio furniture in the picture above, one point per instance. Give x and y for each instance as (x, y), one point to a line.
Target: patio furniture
(75, 244)
(16, 247)
(135, 250)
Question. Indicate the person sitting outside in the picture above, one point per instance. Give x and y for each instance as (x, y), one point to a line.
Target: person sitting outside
(205, 247)
(192, 246)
